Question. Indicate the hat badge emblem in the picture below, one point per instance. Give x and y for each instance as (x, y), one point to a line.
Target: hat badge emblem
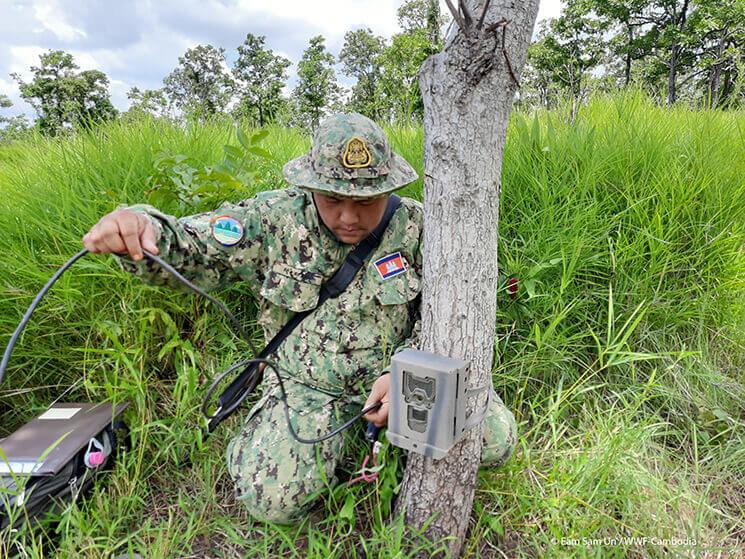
(356, 154)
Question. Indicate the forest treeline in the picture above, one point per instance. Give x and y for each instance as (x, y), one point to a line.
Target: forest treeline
(678, 51)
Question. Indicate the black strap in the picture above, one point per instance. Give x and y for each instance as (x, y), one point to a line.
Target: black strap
(245, 383)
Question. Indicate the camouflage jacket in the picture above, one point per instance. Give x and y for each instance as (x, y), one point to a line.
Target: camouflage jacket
(285, 254)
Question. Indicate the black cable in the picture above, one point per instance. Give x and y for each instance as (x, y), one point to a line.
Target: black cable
(271, 364)
(30, 310)
(225, 311)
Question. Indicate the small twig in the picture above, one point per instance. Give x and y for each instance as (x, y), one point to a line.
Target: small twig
(507, 58)
(483, 14)
(466, 15)
(493, 28)
(456, 16)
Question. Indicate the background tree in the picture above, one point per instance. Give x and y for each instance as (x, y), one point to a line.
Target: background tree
(567, 50)
(718, 29)
(259, 77)
(11, 127)
(675, 49)
(669, 53)
(316, 89)
(5, 103)
(63, 97)
(628, 43)
(400, 63)
(153, 102)
(422, 24)
(423, 14)
(201, 82)
(360, 58)
(467, 90)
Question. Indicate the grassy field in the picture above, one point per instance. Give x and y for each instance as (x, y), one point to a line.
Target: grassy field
(623, 358)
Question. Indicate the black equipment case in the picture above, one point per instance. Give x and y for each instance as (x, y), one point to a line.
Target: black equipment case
(56, 457)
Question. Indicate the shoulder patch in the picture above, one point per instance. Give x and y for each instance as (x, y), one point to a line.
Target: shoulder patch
(390, 265)
(227, 230)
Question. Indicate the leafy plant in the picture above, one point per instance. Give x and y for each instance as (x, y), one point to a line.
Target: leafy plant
(180, 184)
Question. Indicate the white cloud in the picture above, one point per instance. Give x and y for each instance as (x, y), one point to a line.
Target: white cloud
(10, 89)
(119, 91)
(22, 58)
(333, 17)
(137, 43)
(548, 8)
(52, 17)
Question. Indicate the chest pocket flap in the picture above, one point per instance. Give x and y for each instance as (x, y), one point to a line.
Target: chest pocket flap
(384, 313)
(291, 287)
(399, 289)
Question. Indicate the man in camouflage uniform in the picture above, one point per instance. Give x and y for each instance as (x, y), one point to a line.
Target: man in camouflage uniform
(284, 244)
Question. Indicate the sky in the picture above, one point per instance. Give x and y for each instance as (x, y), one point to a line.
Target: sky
(138, 42)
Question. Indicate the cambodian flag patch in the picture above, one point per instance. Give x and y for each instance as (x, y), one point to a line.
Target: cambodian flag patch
(390, 265)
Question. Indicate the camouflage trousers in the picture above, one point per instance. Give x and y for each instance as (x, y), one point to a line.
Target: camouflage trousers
(278, 478)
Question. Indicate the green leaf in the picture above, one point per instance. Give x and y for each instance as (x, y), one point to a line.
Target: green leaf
(373, 469)
(233, 151)
(225, 167)
(261, 152)
(347, 511)
(260, 135)
(242, 137)
(529, 287)
(494, 525)
(162, 197)
(205, 189)
(168, 347)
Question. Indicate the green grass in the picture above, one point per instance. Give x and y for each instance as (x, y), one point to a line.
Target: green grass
(623, 357)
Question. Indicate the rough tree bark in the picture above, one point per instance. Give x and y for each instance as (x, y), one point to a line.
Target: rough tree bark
(467, 90)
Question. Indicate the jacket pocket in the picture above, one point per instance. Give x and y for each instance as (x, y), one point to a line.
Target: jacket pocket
(400, 289)
(385, 314)
(286, 290)
(292, 288)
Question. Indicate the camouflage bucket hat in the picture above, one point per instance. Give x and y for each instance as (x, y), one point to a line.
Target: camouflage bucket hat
(350, 157)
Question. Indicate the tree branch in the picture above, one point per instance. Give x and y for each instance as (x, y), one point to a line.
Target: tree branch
(456, 16)
(466, 14)
(493, 29)
(690, 76)
(483, 14)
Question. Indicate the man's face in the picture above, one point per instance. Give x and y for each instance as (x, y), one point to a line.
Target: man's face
(350, 220)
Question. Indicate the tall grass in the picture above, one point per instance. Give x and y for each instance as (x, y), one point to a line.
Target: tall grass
(623, 358)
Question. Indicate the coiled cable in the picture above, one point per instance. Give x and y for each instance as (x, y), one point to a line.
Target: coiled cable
(236, 323)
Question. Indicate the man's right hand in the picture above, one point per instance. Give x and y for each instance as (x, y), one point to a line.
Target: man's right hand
(379, 393)
(122, 232)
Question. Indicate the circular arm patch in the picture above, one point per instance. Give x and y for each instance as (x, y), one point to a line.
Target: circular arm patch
(227, 230)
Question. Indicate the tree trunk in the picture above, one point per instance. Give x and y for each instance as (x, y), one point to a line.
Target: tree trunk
(672, 74)
(727, 87)
(714, 86)
(717, 72)
(467, 90)
(679, 20)
(627, 73)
